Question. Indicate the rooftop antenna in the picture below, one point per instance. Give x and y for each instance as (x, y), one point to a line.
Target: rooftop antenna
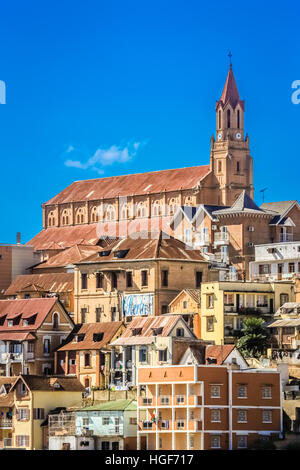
(263, 193)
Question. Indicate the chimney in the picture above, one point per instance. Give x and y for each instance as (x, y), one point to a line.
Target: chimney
(18, 238)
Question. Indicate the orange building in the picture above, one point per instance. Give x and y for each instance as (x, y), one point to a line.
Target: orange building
(207, 407)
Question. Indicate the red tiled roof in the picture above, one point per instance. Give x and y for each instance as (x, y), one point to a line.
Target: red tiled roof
(220, 353)
(48, 282)
(13, 336)
(75, 254)
(127, 185)
(54, 238)
(26, 308)
(109, 330)
(166, 322)
(147, 246)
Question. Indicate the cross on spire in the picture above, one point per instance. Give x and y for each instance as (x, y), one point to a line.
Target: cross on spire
(230, 55)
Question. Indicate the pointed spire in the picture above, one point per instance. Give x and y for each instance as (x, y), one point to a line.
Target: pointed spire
(230, 92)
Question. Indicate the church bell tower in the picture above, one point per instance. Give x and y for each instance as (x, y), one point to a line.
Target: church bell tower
(230, 158)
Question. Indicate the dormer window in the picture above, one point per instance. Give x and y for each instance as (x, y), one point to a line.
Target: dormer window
(2, 320)
(157, 331)
(80, 338)
(136, 331)
(97, 337)
(25, 323)
(180, 332)
(10, 323)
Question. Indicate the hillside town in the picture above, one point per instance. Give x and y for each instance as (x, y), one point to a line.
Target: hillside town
(156, 311)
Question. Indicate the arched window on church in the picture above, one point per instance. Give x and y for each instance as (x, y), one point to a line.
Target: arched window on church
(172, 206)
(125, 211)
(51, 219)
(80, 216)
(95, 214)
(220, 119)
(238, 119)
(228, 118)
(188, 201)
(157, 211)
(141, 210)
(110, 213)
(237, 167)
(65, 217)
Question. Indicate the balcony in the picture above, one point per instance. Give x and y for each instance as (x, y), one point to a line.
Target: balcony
(261, 310)
(202, 240)
(221, 257)
(221, 238)
(286, 237)
(11, 357)
(5, 423)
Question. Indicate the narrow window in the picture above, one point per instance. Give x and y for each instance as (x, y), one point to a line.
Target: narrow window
(237, 167)
(164, 278)
(228, 118)
(238, 119)
(83, 281)
(114, 280)
(220, 119)
(198, 279)
(87, 360)
(144, 275)
(99, 280)
(129, 279)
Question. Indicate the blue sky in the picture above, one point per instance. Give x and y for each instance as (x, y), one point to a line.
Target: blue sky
(139, 79)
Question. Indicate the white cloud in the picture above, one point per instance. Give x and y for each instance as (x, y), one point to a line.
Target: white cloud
(105, 157)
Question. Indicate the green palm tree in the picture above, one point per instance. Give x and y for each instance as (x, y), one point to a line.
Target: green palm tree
(254, 339)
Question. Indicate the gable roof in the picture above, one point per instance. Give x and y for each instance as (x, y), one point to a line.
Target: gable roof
(48, 282)
(135, 184)
(195, 294)
(281, 209)
(219, 352)
(46, 383)
(147, 324)
(25, 308)
(108, 329)
(243, 204)
(7, 399)
(114, 405)
(149, 245)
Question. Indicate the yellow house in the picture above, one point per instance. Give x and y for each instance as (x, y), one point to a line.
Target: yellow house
(34, 397)
(224, 305)
(188, 304)
(6, 409)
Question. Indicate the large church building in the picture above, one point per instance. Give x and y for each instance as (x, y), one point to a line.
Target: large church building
(89, 210)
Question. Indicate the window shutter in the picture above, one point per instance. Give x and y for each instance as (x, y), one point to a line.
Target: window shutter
(17, 441)
(17, 415)
(42, 413)
(34, 413)
(27, 414)
(26, 441)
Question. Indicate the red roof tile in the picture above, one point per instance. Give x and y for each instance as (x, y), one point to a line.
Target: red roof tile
(109, 330)
(147, 246)
(26, 308)
(48, 282)
(127, 185)
(220, 353)
(54, 238)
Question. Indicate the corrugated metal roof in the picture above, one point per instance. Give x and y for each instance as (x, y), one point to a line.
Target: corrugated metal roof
(69, 256)
(114, 405)
(48, 282)
(127, 185)
(26, 308)
(109, 330)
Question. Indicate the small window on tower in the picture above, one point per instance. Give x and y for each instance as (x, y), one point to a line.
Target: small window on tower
(219, 166)
(238, 119)
(237, 167)
(220, 119)
(228, 118)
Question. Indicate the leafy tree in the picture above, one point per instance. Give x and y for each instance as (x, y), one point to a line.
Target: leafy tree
(254, 339)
